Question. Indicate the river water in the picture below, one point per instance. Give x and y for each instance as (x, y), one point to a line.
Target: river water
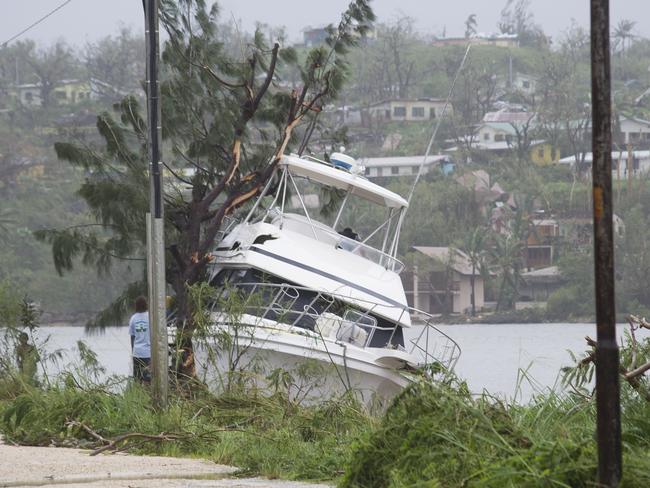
(493, 355)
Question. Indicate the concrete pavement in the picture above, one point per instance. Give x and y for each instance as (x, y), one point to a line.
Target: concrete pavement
(75, 468)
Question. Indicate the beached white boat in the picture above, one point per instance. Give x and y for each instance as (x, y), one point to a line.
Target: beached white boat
(307, 297)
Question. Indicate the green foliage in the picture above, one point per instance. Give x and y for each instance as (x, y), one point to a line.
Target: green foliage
(229, 157)
(262, 435)
(440, 435)
(10, 305)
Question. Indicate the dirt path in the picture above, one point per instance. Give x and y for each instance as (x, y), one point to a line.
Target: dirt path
(74, 468)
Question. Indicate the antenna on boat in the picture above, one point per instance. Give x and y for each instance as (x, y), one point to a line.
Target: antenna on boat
(438, 121)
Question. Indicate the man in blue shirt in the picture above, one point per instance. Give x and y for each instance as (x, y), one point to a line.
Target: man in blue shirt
(140, 341)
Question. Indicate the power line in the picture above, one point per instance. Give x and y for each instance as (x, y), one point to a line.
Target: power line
(4, 44)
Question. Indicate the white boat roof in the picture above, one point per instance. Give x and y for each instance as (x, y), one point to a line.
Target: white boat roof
(338, 178)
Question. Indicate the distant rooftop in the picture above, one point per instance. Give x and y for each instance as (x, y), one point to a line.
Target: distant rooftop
(508, 116)
(402, 161)
(616, 155)
(456, 258)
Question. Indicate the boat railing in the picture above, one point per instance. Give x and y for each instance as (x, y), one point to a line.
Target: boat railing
(333, 316)
(324, 233)
(227, 225)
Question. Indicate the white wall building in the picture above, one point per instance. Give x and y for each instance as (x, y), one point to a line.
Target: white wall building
(402, 165)
(638, 166)
(446, 286)
(410, 110)
(635, 130)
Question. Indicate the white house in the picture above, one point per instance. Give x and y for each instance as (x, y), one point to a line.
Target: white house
(522, 83)
(409, 109)
(404, 165)
(635, 130)
(640, 164)
(446, 286)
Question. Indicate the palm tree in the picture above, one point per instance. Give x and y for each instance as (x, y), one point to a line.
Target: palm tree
(475, 247)
(470, 26)
(623, 33)
(507, 254)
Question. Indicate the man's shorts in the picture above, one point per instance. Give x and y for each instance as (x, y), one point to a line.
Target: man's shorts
(141, 369)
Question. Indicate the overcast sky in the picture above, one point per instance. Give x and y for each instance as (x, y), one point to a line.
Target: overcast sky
(87, 20)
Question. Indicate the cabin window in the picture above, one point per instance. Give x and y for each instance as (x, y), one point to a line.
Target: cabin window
(499, 137)
(399, 111)
(432, 113)
(417, 112)
(540, 153)
(525, 84)
(554, 154)
(486, 136)
(394, 170)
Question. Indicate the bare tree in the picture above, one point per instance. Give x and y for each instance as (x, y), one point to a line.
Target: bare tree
(115, 63)
(51, 66)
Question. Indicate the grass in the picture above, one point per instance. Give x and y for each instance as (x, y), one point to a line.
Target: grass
(263, 435)
(432, 435)
(440, 435)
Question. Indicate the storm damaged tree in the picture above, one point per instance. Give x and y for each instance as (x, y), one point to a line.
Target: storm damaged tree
(227, 122)
(51, 66)
(475, 94)
(517, 19)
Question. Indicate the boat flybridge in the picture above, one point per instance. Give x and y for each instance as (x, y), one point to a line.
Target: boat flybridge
(311, 288)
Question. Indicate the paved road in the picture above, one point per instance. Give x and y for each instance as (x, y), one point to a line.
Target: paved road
(74, 468)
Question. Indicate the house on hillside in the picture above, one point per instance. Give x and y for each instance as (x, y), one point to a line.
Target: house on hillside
(410, 110)
(510, 116)
(405, 165)
(635, 131)
(542, 238)
(445, 286)
(66, 92)
(314, 36)
(480, 39)
(522, 83)
(346, 115)
(537, 285)
(622, 168)
(501, 137)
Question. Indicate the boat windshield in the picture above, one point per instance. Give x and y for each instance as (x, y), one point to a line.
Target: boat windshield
(320, 208)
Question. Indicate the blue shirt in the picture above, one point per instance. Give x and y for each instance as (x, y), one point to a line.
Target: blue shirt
(139, 329)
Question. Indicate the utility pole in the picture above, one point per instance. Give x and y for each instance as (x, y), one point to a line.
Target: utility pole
(155, 222)
(608, 409)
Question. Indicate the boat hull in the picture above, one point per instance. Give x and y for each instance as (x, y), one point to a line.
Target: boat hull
(308, 368)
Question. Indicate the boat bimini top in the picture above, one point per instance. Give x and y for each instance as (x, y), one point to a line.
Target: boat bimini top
(341, 174)
(329, 174)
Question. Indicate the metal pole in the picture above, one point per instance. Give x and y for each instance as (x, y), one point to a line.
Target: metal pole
(607, 361)
(156, 244)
